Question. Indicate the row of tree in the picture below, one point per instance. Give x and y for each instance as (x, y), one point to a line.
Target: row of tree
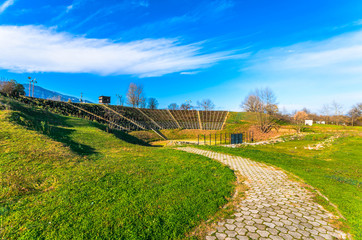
(135, 97)
(205, 104)
(263, 103)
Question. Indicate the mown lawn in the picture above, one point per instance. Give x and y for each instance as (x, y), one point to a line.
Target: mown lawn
(335, 171)
(71, 179)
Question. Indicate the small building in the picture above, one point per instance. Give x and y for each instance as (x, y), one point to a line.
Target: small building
(104, 100)
(308, 122)
(320, 122)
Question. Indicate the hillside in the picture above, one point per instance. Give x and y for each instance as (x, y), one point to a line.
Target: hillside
(65, 177)
(40, 92)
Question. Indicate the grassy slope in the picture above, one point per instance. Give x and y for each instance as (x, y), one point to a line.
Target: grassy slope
(335, 171)
(71, 179)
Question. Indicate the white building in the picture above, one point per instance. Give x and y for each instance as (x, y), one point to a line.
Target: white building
(309, 122)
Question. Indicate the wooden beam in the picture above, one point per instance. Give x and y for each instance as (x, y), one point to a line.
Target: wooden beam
(97, 116)
(198, 116)
(119, 114)
(149, 118)
(174, 118)
(226, 117)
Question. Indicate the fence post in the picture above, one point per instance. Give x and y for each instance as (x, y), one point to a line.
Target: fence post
(210, 139)
(204, 139)
(215, 138)
(198, 139)
(225, 138)
(220, 138)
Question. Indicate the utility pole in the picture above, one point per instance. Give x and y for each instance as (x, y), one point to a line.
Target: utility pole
(120, 100)
(81, 97)
(29, 85)
(34, 81)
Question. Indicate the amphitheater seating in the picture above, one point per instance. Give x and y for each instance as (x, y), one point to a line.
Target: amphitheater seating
(133, 119)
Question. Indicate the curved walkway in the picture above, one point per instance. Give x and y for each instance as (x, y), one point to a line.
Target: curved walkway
(275, 207)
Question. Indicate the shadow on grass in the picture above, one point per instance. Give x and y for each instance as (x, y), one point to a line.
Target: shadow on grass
(120, 135)
(49, 124)
(57, 127)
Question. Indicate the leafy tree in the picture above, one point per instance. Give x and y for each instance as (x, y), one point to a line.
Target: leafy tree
(206, 104)
(152, 103)
(12, 88)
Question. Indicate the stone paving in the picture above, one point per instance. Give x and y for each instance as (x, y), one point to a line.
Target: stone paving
(275, 207)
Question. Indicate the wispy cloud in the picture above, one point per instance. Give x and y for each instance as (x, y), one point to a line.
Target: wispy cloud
(5, 5)
(37, 49)
(340, 54)
(320, 70)
(189, 73)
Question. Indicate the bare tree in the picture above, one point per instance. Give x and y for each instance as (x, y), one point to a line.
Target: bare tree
(135, 96)
(206, 104)
(355, 112)
(266, 109)
(337, 111)
(186, 106)
(143, 102)
(152, 103)
(299, 120)
(306, 110)
(250, 103)
(326, 109)
(173, 106)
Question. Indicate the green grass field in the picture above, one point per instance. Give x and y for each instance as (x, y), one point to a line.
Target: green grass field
(335, 170)
(68, 178)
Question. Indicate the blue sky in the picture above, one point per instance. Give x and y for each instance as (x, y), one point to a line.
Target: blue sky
(308, 52)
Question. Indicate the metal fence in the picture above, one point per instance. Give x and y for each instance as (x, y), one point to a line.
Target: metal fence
(225, 138)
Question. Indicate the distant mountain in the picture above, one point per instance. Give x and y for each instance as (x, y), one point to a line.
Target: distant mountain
(40, 92)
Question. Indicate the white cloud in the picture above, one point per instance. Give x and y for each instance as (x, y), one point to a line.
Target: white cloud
(5, 5)
(37, 49)
(69, 8)
(189, 73)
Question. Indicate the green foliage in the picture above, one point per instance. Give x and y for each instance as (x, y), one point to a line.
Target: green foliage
(12, 88)
(69, 178)
(335, 170)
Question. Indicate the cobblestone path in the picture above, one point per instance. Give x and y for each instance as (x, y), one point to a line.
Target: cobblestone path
(275, 207)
